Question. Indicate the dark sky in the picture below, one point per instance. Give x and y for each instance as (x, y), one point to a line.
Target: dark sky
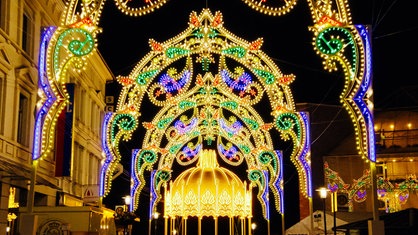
(287, 40)
(124, 41)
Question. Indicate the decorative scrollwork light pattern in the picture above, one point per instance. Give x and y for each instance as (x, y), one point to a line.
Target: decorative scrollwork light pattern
(393, 195)
(208, 84)
(272, 7)
(347, 47)
(200, 108)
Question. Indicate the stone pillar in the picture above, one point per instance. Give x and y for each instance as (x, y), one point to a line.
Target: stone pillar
(28, 224)
(4, 206)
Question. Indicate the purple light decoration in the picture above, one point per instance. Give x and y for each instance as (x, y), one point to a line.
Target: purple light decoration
(228, 153)
(279, 179)
(306, 151)
(361, 194)
(191, 153)
(364, 87)
(183, 128)
(136, 183)
(170, 84)
(381, 192)
(233, 129)
(403, 198)
(239, 83)
(108, 154)
(43, 84)
(265, 195)
(153, 195)
(333, 187)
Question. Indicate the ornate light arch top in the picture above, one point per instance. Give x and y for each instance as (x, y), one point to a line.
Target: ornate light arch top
(215, 90)
(206, 38)
(170, 76)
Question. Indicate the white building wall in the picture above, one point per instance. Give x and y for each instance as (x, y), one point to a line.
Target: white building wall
(19, 74)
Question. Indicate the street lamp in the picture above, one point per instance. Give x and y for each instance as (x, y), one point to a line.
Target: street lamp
(128, 199)
(323, 194)
(127, 202)
(155, 215)
(253, 227)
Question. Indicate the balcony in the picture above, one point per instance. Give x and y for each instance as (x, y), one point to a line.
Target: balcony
(396, 141)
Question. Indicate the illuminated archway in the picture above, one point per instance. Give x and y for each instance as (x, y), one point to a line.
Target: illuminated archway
(207, 83)
(337, 41)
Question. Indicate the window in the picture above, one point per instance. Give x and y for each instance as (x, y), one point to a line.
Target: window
(2, 98)
(92, 170)
(102, 113)
(94, 119)
(23, 120)
(28, 31)
(82, 166)
(81, 105)
(78, 164)
(3, 14)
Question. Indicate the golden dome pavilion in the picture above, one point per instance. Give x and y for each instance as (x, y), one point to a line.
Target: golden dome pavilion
(208, 190)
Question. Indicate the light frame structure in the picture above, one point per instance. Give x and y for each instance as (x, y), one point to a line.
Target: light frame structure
(340, 44)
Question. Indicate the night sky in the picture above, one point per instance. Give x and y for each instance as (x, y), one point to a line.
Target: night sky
(124, 41)
(286, 39)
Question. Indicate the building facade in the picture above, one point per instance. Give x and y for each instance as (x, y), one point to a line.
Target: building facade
(396, 165)
(68, 177)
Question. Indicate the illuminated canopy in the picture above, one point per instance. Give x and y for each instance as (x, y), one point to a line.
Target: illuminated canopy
(208, 190)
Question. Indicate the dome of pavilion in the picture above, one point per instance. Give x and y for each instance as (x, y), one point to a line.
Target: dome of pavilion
(208, 190)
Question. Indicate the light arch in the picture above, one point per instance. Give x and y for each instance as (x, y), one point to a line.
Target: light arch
(66, 47)
(198, 107)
